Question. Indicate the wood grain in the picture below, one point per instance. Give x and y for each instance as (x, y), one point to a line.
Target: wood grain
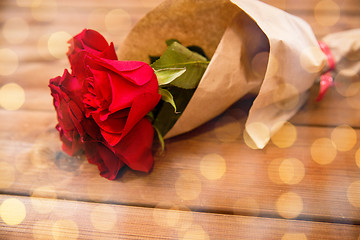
(39, 161)
(82, 220)
(207, 182)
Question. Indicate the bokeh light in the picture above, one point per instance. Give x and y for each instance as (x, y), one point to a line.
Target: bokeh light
(353, 194)
(273, 170)
(103, 217)
(188, 185)
(12, 211)
(286, 171)
(12, 96)
(285, 136)
(357, 157)
(286, 96)
(213, 166)
(15, 30)
(294, 236)
(43, 199)
(57, 44)
(185, 219)
(65, 229)
(291, 171)
(323, 151)
(118, 22)
(354, 101)
(289, 205)
(344, 137)
(7, 175)
(163, 216)
(179, 217)
(96, 19)
(228, 129)
(347, 83)
(44, 10)
(327, 13)
(196, 232)
(309, 59)
(259, 64)
(9, 61)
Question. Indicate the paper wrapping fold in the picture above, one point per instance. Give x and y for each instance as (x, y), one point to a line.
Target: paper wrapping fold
(345, 47)
(253, 48)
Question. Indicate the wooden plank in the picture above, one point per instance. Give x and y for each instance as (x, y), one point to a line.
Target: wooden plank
(41, 218)
(31, 157)
(86, 11)
(347, 5)
(274, 182)
(333, 110)
(306, 5)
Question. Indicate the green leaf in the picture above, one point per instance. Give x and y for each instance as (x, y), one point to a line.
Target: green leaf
(178, 56)
(150, 116)
(166, 117)
(167, 97)
(161, 139)
(167, 75)
(197, 49)
(153, 59)
(171, 41)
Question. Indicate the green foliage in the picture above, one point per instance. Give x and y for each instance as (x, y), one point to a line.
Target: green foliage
(167, 75)
(179, 71)
(166, 96)
(161, 139)
(178, 56)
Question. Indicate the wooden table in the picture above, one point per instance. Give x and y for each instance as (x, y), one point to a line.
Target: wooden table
(208, 184)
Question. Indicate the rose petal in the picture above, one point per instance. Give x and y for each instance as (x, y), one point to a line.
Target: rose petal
(92, 42)
(102, 85)
(92, 39)
(124, 93)
(139, 76)
(141, 106)
(126, 69)
(135, 148)
(120, 124)
(108, 163)
(109, 52)
(70, 83)
(91, 130)
(71, 146)
(111, 138)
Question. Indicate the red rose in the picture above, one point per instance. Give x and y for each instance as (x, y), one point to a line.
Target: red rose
(102, 106)
(89, 42)
(66, 93)
(118, 95)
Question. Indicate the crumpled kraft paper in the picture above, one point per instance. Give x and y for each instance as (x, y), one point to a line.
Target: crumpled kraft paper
(345, 47)
(253, 47)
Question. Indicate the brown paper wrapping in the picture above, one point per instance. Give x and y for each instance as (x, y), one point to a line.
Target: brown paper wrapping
(253, 47)
(345, 47)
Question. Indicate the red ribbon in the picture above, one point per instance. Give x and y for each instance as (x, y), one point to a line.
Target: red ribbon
(326, 79)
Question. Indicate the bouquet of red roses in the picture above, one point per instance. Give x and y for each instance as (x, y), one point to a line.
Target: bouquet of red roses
(110, 109)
